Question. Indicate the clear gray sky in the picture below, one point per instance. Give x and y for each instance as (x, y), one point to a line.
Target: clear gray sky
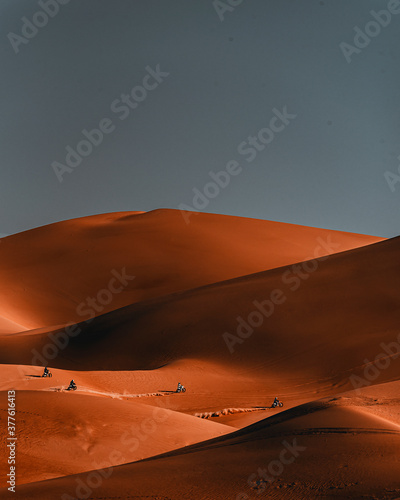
(227, 72)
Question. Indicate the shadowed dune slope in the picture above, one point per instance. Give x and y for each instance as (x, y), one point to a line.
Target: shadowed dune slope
(48, 273)
(325, 449)
(323, 330)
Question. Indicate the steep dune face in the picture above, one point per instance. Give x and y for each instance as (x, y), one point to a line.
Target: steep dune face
(325, 449)
(69, 271)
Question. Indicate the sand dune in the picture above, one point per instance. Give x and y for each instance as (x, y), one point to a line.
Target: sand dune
(230, 308)
(211, 389)
(61, 433)
(9, 326)
(324, 330)
(70, 261)
(324, 449)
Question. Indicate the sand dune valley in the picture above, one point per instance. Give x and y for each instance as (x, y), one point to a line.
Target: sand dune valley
(239, 311)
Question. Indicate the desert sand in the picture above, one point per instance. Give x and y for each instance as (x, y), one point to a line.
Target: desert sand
(239, 311)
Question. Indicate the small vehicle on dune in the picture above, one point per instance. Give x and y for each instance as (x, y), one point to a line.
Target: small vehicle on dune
(72, 386)
(47, 373)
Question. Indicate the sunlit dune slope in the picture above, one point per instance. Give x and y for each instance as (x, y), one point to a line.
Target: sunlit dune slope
(382, 400)
(47, 274)
(210, 387)
(8, 326)
(61, 433)
(326, 449)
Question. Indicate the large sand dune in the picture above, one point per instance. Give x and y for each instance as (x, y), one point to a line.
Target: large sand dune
(48, 273)
(231, 308)
(323, 330)
(325, 449)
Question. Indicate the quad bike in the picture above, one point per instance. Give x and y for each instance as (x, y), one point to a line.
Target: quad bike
(277, 403)
(47, 374)
(71, 388)
(181, 388)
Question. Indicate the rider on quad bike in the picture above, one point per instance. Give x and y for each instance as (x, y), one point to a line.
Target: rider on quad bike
(180, 388)
(72, 386)
(276, 403)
